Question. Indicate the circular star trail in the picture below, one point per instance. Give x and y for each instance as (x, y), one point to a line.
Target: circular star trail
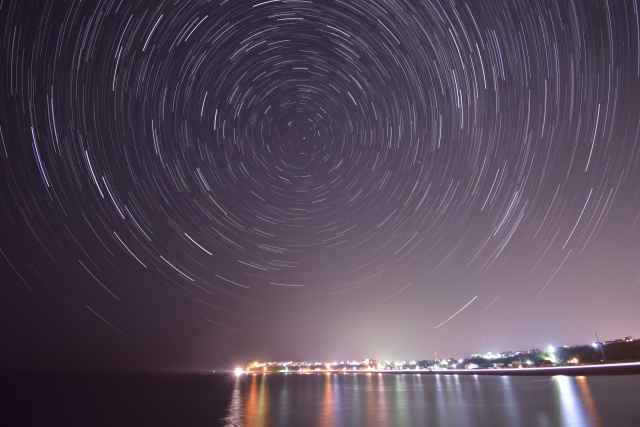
(392, 158)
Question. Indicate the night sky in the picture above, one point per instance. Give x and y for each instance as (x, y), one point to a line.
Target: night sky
(192, 185)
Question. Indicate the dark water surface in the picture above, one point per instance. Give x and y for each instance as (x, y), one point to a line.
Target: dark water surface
(318, 400)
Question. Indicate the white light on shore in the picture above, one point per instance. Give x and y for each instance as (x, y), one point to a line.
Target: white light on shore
(239, 371)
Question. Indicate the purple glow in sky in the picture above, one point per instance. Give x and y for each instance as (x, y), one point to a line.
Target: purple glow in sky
(204, 183)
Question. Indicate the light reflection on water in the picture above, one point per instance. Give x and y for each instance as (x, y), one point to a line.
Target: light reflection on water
(589, 403)
(374, 399)
(235, 412)
(576, 402)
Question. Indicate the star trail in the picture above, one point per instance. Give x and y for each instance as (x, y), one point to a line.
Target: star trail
(197, 182)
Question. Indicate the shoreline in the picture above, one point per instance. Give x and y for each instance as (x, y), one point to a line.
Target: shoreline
(632, 368)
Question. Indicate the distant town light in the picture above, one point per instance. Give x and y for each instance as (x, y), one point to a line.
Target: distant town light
(551, 349)
(239, 371)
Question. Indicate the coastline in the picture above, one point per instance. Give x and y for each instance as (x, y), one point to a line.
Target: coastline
(632, 368)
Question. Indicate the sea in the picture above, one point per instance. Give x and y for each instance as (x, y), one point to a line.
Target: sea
(317, 399)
